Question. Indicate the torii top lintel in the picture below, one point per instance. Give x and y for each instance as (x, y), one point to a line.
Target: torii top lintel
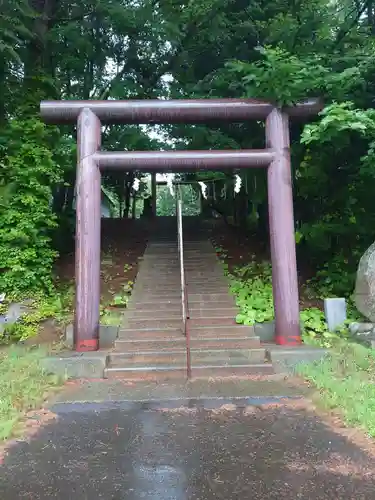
(156, 111)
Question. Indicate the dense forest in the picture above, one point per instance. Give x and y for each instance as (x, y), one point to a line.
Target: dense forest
(282, 50)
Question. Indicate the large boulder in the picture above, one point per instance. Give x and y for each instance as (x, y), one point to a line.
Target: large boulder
(364, 294)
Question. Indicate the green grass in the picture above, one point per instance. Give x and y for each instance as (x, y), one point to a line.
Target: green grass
(23, 386)
(345, 380)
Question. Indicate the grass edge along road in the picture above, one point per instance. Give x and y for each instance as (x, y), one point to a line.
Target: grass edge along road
(24, 386)
(345, 380)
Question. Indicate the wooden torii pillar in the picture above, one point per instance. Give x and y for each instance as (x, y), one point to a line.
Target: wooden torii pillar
(91, 115)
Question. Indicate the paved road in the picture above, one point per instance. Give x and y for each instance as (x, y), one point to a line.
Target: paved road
(187, 450)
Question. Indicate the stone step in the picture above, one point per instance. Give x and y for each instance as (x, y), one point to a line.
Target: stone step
(197, 332)
(198, 357)
(225, 343)
(175, 322)
(200, 266)
(150, 344)
(175, 304)
(172, 313)
(167, 372)
(176, 276)
(175, 255)
(209, 279)
(154, 305)
(143, 324)
(192, 289)
(176, 288)
(145, 283)
(221, 331)
(215, 312)
(175, 259)
(213, 321)
(194, 298)
(140, 314)
(151, 333)
(171, 344)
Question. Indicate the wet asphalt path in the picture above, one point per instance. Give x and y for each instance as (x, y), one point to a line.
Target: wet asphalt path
(187, 450)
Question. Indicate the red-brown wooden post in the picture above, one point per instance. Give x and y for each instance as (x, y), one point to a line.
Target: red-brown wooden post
(88, 218)
(283, 249)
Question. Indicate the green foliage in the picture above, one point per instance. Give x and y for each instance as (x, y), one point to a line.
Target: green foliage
(252, 286)
(26, 220)
(314, 327)
(166, 203)
(345, 381)
(338, 118)
(23, 386)
(57, 307)
(280, 76)
(280, 50)
(334, 279)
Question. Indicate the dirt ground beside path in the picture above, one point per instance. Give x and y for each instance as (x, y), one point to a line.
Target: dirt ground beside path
(123, 243)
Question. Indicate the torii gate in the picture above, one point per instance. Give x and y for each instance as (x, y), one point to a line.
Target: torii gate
(91, 115)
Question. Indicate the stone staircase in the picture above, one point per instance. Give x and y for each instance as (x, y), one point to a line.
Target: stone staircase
(151, 343)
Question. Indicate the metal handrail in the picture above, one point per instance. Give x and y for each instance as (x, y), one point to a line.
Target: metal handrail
(184, 294)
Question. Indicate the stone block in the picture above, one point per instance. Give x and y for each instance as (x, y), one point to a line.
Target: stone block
(77, 365)
(364, 294)
(265, 331)
(287, 359)
(335, 312)
(107, 336)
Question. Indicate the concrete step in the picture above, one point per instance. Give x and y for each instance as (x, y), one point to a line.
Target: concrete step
(153, 332)
(194, 298)
(164, 365)
(209, 279)
(164, 255)
(148, 358)
(154, 305)
(163, 314)
(142, 324)
(213, 313)
(150, 344)
(169, 265)
(172, 313)
(166, 258)
(225, 343)
(144, 373)
(176, 304)
(198, 357)
(207, 297)
(207, 287)
(228, 371)
(175, 321)
(179, 372)
(192, 289)
(218, 320)
(172, 344)
(221, 331)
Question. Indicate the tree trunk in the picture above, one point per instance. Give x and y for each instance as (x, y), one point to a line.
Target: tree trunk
(38, 61)
(134, 205)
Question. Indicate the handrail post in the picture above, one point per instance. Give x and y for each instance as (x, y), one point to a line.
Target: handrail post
(181, 251)
(184, 298)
